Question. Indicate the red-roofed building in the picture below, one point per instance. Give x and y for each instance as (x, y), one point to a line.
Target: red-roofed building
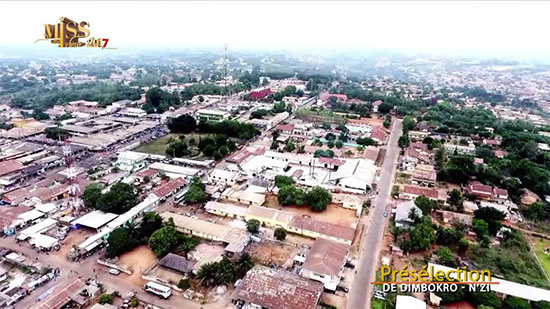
(528, 197)
(239, 156)
(479, 190)
(375, 105)
(260, 94)
(325, 96)
(10, 166)
(500, 194)
(285, 128)
(379, 134)
(500, 153)
(412, 192)
(169, 188)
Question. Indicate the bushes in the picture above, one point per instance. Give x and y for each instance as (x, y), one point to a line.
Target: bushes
(184, 284)
(105, 299)
(164, 240)
(119, 199)
(317, 198)
(196, 193)
(279, 234)
(253, 226)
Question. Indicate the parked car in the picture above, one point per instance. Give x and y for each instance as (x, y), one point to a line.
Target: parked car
(114, 271)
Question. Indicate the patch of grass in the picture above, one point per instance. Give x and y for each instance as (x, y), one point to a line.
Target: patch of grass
(513, 260)
(540, 245)
(157, 146)
(376, 303)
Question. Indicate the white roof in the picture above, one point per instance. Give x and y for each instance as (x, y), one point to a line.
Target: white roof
(40, 227)
(132, 155)
(223, 174)
(147, 204)
(403, 210)
(203, 163)
(212, 112)
(356, 169)
(174, 169)
(93, 241)
(45, 208)
(95, 219)
(30, 215)
(43, 241)
(409, 302)
(507, 287)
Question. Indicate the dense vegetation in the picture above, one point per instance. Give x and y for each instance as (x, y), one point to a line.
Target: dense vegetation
(119, 199)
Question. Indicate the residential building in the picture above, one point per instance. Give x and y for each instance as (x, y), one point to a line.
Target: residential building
(212, 115)
(402, 214)
(131, 161)
(223, 176)
(267, 288)
(325, 262)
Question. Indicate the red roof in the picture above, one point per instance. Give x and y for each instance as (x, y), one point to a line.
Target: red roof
(146, 172)
(376, 103)
(169, 187)
(325, 96)
(260, 94)
(416, 190)
(419, 146)
(285, 127)
(9, 166)
(477, 188)
(378, 133)
(332, 161)
(500, 192)
(325, 228)
(238, 157)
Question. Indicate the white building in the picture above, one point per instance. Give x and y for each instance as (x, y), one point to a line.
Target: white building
(131, 161)
(212, 115)
(223, 176)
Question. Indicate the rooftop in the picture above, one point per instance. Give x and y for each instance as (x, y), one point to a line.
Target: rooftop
(326, 257)
(273, 289)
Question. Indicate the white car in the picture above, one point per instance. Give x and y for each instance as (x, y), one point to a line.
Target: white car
(114, 271)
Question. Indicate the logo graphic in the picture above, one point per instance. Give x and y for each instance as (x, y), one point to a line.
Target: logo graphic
(67, 33)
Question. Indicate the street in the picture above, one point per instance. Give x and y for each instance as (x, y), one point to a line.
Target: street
(361, 291)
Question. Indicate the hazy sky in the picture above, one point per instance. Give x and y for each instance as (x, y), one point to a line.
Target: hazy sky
(499, 28)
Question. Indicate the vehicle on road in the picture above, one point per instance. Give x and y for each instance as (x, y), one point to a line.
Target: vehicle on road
(114, 271)
(385, 213)
(158, 289)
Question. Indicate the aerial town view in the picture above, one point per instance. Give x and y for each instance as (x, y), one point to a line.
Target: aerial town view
(274, 155)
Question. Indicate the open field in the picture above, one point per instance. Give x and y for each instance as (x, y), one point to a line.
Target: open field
(157, 146)
(137, 260)
(540, 245)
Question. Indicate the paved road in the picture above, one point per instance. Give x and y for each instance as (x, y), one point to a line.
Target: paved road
(361, 290)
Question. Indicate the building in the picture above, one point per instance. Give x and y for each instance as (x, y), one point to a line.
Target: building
(243, 197)
(402, 214)
(212, 115)
(172, 186)
(528, 197)
(325, 262)
(226, 210)
(267, 288)
(470, 149)
(411, 192)
(223, 176)
(260, 93)
(131, 161)
(235, 239)
(133, 112)
(177, 262)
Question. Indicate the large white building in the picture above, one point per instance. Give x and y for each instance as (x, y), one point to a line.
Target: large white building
(131, 161)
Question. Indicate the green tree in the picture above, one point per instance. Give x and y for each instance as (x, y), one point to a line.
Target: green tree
(120, 240)
(339, 144)
(119, 199)
(92, 195)
(512, 302)
(408, 124)
(330, 144)
(446, 257)
(150, 222)
(280, 233)
(188, 243)
(541, 304)
(184, 284)
(403, 141)
(290, 195)
(318, 198)
(492, 216)
(253, 226)
(421, 236)
(105, 299)
(282, 181)
(487, 299)
(536, 211)
(196, 193)
(244, 264)
(455, 199)
(480, 227)
(163, 240)
(425, 204)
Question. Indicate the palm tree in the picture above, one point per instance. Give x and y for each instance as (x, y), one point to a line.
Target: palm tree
(207, 274)
(244, 263)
